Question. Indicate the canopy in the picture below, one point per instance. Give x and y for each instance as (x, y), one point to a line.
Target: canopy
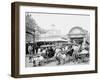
(47, 46)
(51, 40)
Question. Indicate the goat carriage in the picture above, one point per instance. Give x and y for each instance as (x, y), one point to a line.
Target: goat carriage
(45, 56)
(60, 55)
(51, 53)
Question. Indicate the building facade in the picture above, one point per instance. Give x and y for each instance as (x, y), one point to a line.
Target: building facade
(78, 35)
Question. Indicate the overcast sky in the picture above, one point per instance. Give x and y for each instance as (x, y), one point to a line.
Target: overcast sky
(60, 22)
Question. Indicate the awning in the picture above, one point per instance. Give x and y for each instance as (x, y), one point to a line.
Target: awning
(47, 46)
(51, 40)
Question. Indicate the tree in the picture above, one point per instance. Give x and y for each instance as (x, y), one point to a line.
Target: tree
(33, 28)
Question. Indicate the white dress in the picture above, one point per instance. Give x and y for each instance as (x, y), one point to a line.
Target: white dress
(39, 52)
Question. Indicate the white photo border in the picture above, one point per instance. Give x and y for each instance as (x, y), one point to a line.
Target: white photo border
(54, 69)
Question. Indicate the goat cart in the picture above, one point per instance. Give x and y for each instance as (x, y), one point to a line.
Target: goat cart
(46, 57)
(82, 57)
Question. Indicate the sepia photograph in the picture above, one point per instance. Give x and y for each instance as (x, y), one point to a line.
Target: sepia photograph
(57, 39)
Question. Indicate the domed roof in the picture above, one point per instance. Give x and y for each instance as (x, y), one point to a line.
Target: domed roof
(76, 30)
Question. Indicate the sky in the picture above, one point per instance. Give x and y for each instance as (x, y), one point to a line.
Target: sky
(60, 22)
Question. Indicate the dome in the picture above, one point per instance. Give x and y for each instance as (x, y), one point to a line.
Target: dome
(76, 30)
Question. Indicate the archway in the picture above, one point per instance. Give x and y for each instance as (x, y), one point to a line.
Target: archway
(77, 35)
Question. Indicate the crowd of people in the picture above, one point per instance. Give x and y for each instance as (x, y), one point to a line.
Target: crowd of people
(57, 52)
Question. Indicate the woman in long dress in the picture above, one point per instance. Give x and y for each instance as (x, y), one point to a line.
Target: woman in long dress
(30, 52)
(75, 53)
